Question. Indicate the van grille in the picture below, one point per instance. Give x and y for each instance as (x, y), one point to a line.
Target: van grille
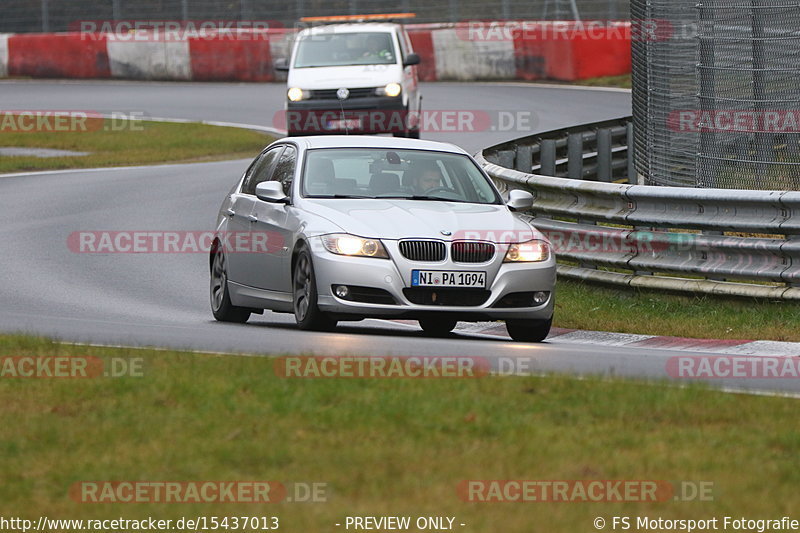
(330, 94)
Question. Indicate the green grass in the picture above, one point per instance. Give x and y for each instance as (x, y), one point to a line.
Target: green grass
(593, 307)
(141, 143)
(397, 447)
(622, 82)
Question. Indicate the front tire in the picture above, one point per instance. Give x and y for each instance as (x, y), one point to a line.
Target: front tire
(221, 305)
(437, 326)
(529, 330)
(304, 296)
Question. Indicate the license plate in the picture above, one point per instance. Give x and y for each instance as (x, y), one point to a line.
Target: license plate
(447, 278)
(345, 124)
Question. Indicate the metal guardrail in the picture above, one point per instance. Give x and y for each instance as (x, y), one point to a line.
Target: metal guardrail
(712, 241)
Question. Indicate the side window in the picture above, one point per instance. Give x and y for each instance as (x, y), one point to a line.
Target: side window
(260, 170)
(284, 170)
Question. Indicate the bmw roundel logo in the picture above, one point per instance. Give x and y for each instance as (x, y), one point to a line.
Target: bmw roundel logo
(446, 233)
(343, 93)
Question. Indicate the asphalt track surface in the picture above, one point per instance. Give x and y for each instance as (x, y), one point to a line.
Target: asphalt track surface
(162, 299)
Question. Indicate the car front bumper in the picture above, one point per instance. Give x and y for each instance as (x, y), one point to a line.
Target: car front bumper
(393, 277)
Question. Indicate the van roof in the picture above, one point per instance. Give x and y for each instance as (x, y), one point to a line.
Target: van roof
(357, 27)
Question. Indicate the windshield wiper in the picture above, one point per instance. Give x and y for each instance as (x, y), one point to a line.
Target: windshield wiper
(345, 196)
(424, 198)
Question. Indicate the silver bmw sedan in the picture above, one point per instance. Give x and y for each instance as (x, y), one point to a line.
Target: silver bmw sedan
(338, 228)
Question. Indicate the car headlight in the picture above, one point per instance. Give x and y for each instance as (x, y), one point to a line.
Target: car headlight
(528, 252)
(391, 89)
(295, 94)
(343, 244)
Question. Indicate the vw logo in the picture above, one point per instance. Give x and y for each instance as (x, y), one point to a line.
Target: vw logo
(342, 93)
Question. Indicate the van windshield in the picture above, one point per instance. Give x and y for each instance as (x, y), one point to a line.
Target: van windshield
(341, 49)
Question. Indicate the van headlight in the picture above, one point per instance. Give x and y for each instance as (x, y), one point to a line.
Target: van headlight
(295, 94)
(391, 90)
(528, 252)
(344, 244)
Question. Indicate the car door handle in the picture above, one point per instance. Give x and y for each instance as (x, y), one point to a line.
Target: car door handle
(252, 218)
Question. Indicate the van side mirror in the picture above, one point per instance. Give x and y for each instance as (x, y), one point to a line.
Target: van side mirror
(411, 59)
(281, 65)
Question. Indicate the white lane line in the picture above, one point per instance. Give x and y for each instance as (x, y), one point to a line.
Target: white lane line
(602, 338)
(773, 348)
(105, 169)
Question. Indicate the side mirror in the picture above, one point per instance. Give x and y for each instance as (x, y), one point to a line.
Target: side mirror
(271, 191)
(411, 59)
(519, 200)
(281, 65)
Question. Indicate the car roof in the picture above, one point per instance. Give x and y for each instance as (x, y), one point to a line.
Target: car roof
(372, 141)
(352, 28)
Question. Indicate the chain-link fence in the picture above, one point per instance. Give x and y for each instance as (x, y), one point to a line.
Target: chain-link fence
(716, 97)
(60, 15)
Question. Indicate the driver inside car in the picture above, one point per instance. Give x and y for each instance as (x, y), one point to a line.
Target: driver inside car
(427, 179)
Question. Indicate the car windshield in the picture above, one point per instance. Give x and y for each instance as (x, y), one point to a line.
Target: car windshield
(340, 49)
(400, 174)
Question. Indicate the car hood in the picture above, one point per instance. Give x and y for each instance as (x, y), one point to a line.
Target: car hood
(401, 219)
(347, 76)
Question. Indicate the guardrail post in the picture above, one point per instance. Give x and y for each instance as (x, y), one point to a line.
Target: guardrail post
(547, 157)
(716, 233)
(604, 172)
(505, 158)
(524, 162)
(45, 16)
(643, 272)
(633, 178)
(793, 239)
(575, 156)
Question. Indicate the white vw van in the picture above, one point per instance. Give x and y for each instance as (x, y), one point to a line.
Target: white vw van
(353, 77)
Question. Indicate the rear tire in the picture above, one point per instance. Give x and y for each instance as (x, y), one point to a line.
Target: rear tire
(437, 326)
(221, 305)
(529, 330)
(304, 296)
